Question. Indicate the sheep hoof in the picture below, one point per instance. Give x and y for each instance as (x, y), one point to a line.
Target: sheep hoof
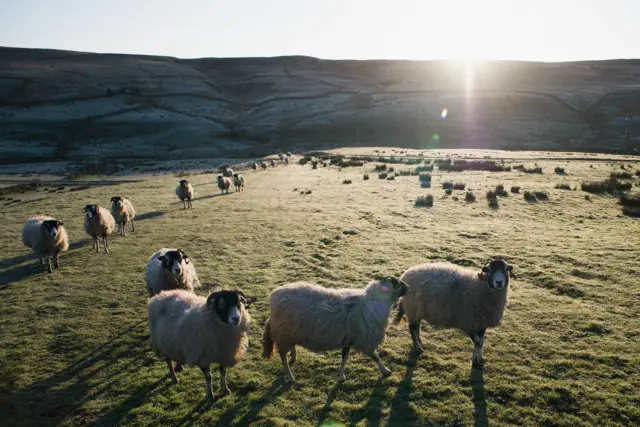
(174, 379)
(290, 378)
(210, 397)
(178, 368)
(226, 391)
(385, 373)
(342, 379)
(418, 350)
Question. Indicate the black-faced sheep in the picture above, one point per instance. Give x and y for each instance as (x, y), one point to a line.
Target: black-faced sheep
(184, 191)
(98, 222)
(197, 331)
(286, 160)
(123, 212)
(321, 319)
(273, 163)
(47, 238)
(238, 182)
(224, 184)
(170, 269)
(449, 296)
(227, 172)
(254, 166)
(263, 165)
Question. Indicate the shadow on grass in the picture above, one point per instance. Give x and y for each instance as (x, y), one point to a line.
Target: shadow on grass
(278, 386)
(479, 398)
(149, 215)
(372, 411)
(401, 413)
(210, 196)
(53, 399)
(327, 406)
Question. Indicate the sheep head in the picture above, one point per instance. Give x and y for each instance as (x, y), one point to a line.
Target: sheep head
(228, 305)
(497, 273)
(52, 227)
(175, 262)
(91, 210)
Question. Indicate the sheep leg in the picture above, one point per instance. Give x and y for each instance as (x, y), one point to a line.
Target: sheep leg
(223, 381)
(133, 227)
(293, 357)
(190, 205)
(478, 343)
(49, 268)
(207, 378)
(288, 375)
(383, 369)
(414, 328)
(345, 356)
(178, 368)
(172, 373)
(124, 230)
(184, 204)
(105, 244)
(95, 244)
(56, 260)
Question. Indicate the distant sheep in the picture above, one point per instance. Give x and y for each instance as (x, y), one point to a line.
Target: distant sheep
(286, 160)
(47, 238)
(281, 156)
(448, 296)
(289, 153)
(98, 222)
(263, 165)
(224, 184)
(273, 163)
(170, 269)
(227, 172)
(238, 182)
(185, 193)
(254, 165)
(123, 212)
(322, 319)
(197, 331)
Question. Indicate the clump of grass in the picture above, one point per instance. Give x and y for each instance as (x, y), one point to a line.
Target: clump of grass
(308, 192)
(448, 191)
(346, 181)
(500, 191)
(530, 197)
(638, 172)
(611, 185)
(424, 201)
(631, 211)
(425, 177)
(447, 185)
(382, 167)
(366, 177)
(84, 187)
(390, 169)
(459, 186)
(382, 175)
(404, 173)
(515, 189)
(563, 186)
(587, 197)
(628, 200)
(304, 160)
(469, 197)
(491, 195)
(391, 178)
(475, 165)
(559, 171)
(541, 195)
(427, 168)
(621, 175)
(536, 169)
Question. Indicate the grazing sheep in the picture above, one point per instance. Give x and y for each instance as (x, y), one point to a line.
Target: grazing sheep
(47, 238)
(238, 182)
(227, 172)
(281, 156)
(448, 296)
(122, 211)
(254, 166)
(98, 222)
(263, 165)
(289, 153)
(286, 160)
(322, 319)
(224, 184)
(170, 269)
(273, 163)
(197, 331)
(185, 193)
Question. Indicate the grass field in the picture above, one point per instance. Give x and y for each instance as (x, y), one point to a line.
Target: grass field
(74, 344)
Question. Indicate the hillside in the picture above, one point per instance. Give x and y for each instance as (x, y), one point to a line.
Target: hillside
(59, 105)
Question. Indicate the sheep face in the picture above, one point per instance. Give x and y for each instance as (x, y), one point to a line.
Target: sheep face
(117, 201)
(396, 286)
(174, 262)
(90, 210)
(497, 273)
(52, 227)
(184, 183)
(228, 305)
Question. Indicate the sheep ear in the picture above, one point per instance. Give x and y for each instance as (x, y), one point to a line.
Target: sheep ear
(395, 282)
(212, 300)
(161, 258)
(510, 270)
(60, 223)
(486, 269)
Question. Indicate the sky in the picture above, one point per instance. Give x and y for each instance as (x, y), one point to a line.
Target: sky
(534, 30)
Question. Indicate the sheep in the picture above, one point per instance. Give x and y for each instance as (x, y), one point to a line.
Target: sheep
(238, 182)
(227, 172)
(281, 156)
(321, 319)
(448, 296)
(122, 211)
(263, 165)
(289, 153)
(254, 165)
(184, 191)
(197, 331)
(273, 163)
(98, 222)
(224, 184)
(169, 269)
(286, 160)
(47, 238)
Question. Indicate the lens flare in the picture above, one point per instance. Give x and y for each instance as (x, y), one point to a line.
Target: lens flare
(444, 113)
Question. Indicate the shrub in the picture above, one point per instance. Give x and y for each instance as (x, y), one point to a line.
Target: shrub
(382, 175)
(620, 175)
(638, 172)
(530, 197)
(346, 181)
(308, 192)
(448, 191)
(404, 173)
(324, 164)
(499, 191)
(459, 186)
(304, 160)
(611, 185)
(536, 169)
(587, 197)
(559, 171)
(515, 189)
(491, 195)
(391, 178)
(631, 211)
(622, 167)
(366, 177)
(470, 197)
(493, 203)
(428, 168)
(447, 185)
(541, 195)
(390, 170)
(455, 198)
(628, 200)
(474, 165)
(381, 167)
(425, 177)
(519, 167)
(424, 201)
(563, 186)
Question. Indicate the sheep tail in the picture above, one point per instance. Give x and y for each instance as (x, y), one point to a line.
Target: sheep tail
(399, 313)
(267, 342)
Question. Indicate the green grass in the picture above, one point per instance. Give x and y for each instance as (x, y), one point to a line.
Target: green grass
(74, 344)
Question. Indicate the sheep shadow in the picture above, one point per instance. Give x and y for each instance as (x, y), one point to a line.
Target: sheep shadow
(401, 413)
(51, 400)
(479, 397)
(210, 196)
(149, 215)
(331, 397)
(372, 411)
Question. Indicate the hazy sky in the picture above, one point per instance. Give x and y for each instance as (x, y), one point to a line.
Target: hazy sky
(558, 30)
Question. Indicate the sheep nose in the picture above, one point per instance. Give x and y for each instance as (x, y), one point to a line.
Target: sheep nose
(235, 320)
(499, 282)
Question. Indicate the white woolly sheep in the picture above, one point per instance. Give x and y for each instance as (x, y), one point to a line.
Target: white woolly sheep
(254, 166)
(273, 163)
(449, 296)
(238, 182)
(170, 269)
(263, 165)
(227, 172)
(224, 184)
(123, 212)
(47, 238)
(197, 331)
(98, 222)
(185, 193)
(321, 319)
